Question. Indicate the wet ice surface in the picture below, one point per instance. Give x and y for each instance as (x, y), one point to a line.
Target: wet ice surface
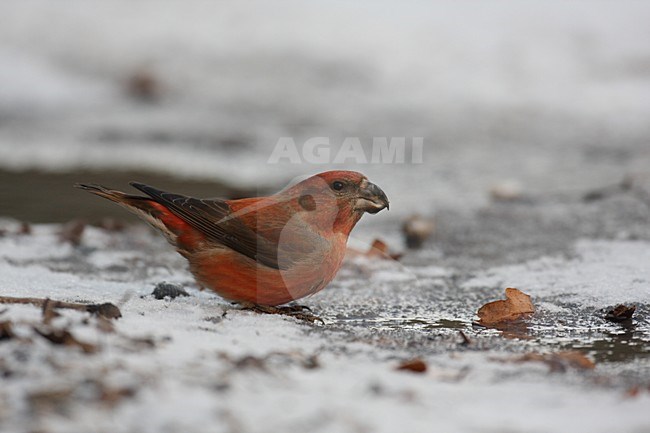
(199, 364)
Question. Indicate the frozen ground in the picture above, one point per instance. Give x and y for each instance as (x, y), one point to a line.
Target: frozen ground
(198, 364)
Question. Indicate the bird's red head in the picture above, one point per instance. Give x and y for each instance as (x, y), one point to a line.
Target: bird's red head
(339, 198)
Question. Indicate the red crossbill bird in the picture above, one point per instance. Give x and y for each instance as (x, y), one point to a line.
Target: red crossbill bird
(264, 251)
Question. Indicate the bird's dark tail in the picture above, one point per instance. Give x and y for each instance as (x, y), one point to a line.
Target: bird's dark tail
(144, 207)
(113, 195)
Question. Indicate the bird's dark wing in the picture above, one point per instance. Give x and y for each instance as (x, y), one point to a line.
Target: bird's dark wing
(212, 219)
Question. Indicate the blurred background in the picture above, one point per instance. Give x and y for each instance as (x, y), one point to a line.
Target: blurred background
(193, 96)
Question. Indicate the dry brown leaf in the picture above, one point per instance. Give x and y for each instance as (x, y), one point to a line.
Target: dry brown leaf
(636, 390)
(516, 304)
(144, 86)
(105, 310)
(620, 313)
(415, 365)
(6, 330)
(378, 250)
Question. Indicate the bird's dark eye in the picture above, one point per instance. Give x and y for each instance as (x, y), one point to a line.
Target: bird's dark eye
(337, 186)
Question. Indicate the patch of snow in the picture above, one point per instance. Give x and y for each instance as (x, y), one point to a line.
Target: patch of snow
(194, 376)
(603, 273)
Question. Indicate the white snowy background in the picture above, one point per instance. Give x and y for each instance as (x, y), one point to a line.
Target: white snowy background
(553, 94)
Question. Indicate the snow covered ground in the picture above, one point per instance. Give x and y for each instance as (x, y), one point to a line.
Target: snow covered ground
(198, 364)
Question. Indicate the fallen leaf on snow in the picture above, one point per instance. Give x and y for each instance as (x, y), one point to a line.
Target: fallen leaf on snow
(105, 310)
(516, 305)
(620, 313)
(378, 249)
(636, 390)
(415, 365)
(144, 86)
(6, 331)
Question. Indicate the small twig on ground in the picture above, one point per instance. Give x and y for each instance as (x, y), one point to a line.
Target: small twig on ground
(106, 310)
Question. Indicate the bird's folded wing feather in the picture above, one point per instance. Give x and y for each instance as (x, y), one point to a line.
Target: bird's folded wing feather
(214, 219)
